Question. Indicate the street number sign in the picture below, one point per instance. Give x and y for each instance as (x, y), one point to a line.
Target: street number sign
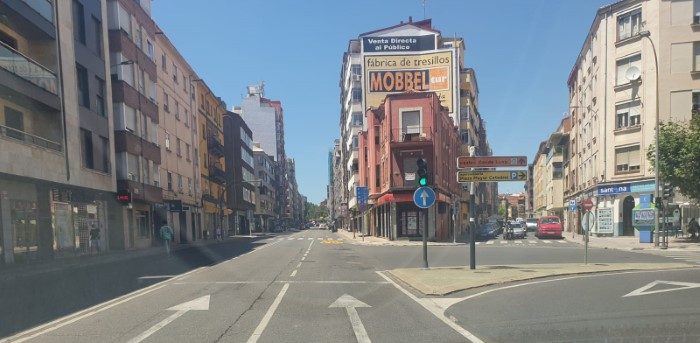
(491, 161)
(464, 176)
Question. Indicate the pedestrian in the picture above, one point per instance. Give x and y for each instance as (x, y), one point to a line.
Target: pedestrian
(166, 233)
(94, 238)
(218, 234)
(693, 228)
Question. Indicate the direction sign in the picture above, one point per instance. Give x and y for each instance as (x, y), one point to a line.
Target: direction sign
(362, 194)
(424, 197)
(587, 204)
(499, 175)
(490, 161)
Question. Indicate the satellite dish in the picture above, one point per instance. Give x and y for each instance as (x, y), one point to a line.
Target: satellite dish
(633, 73)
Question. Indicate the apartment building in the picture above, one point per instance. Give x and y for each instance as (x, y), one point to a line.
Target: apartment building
(240, 172)
(177, 134)
(614, 94)
(56, 140)
(530, 192)
(264, 216)
(405, 128)
(210, 121)
(132, 34)
(548, 172)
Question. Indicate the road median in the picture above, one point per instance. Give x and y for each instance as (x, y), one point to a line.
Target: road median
(446, 280)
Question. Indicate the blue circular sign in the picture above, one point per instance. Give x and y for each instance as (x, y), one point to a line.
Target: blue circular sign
(424, 197)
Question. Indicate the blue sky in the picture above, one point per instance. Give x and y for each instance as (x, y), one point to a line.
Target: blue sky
(522, 52)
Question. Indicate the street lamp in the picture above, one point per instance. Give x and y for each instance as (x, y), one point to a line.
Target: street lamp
(657, 179)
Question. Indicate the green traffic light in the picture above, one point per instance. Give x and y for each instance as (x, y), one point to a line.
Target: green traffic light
(423, 182)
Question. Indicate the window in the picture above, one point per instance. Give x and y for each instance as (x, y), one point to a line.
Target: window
(628, 115)
(464, 136)
(163, 63)
(187, 118)
(187, 151)
(196, 157)
(124, 19)
(105, 154)
(138, 37)
(170, 181)
(142, 223)
(179, 183)
(155, 169)
(184, 83)
(166, 102)
(629, 24)
(247, 157)
(78, 22)
(410, 122)
(357, 118)
(356, 69)
(356, 94)
(626, 63)
(189, 186)
(149, 50)
(178, 146)
(86, 140)
(132, 165)
(100, 96)
(14, 120)
(177, 110)
(98, 35)
(695, 110)
(174, 73)
(83, 87)
(354, 143)
(167, 141)
(627, 159)
(696, 56)
(129, 117)
(464, 114)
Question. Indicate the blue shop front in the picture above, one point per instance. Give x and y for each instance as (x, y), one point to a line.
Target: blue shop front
(615, 203)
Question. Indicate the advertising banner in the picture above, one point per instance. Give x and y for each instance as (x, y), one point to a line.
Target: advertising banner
(398, 44)
(422, 72)
(605, 221)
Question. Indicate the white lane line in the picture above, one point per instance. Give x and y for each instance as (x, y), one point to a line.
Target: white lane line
(268, 315)
(319, 239)
(478, 243)
(435, 310)
(300, 238)
(489, 242)
(298, 264)
(218, 282)
(333, 282)
(503, 242)
(157, 327)
(529, 241)
(293, 274)
(311, 238)
(518, 242)
(562, 241)
(303, 258)
(290, 238)
(156, 277)
(548, 242)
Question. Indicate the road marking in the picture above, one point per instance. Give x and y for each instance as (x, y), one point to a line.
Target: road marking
(350, 304)
(529, 241)
(156, 277)
(562, 241)
(298, 264)
(199, 304)
(293, 274)
(300, 238)
(311, 238)
(268, 315)
(644, 290)
(290, 238)
(503, 242)
(548, 242)
(518, 242)
(332, 282)
(478, 243)
(435, 310)
(218, 282)
(303, 258)
(489, 242)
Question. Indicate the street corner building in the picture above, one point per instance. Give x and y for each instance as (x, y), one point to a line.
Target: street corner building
(403, 129)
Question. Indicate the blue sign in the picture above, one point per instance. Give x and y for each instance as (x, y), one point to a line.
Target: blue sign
(614, 189)
(642, 187)
(424, 197)
(572, 205)
(362, 194)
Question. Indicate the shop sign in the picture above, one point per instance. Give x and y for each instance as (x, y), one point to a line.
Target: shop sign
(614, 189)
(642, 187)
(174, 205)
(398, 44)
(124, 197)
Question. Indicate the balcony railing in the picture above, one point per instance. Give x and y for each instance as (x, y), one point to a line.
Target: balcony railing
(24, 67)
(43, 7)
(217, 173)
(30, 138)
(412, 134)
(215, 147)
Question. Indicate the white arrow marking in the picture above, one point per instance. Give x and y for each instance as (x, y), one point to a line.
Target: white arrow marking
(199, 304)
(644, 290)
(424, 196)
(350, 303)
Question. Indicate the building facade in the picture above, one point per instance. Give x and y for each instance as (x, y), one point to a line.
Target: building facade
(405, 128)
(265, 216)
(613, 96)
(548, 173)
(56, 140)
(240, 171)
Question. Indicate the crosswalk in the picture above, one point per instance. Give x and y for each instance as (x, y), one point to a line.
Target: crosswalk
(691, 256)
(523, 242)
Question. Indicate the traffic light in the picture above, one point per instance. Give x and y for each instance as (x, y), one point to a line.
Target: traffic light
(422, 172)
(668, 190)
(658, 203)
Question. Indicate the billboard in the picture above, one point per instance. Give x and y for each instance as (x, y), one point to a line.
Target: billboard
(398, 44)
(399, 73)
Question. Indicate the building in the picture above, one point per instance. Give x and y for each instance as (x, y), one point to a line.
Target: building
(265, 118)
(240, 171)
(56, 130)
(210, 118)
(548, 173)
(177, 133)
(337, 212)
(293, 210)
(613, 89)
(265, 216)
(514, 205)
(405, 128)
(367, 76)
(529, 192)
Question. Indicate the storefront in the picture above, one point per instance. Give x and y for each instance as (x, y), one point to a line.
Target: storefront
(615, 203)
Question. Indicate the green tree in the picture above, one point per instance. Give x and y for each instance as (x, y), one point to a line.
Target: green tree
(679, 151)
(315, 212)
(502, 210)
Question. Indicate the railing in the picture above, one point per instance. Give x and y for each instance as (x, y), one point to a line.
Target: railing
(215, 146)
(217, 173)
(412, 134)
(43, 7)
(24, 67)
(30, 138)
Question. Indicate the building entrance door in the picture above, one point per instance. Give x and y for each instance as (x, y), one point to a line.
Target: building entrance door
(627, 207)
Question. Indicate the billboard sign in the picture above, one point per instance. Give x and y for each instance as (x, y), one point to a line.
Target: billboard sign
(398, 44)
(491, 176)
(418, 72)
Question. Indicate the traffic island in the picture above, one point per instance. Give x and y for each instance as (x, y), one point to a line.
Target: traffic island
(446, 280)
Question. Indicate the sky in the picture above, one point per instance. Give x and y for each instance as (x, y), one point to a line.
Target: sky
(522, 52)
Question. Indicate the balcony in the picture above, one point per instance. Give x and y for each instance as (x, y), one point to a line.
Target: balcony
(43, 7)
(33, 18)
(216, 173)
(26, 68)
(215, 147)
(412, 134)
(29, 138)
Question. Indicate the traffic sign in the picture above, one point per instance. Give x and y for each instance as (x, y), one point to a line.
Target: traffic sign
(499, 175)
(588, 221)
(362, 194)
(572, 205)
(424, 197)
(491, 161)
(587, 204)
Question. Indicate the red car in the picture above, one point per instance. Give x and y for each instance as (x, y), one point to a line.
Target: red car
(549, 226)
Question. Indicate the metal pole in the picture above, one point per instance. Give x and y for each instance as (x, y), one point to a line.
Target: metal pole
(425, 240)
(472, 228)
(588, 218)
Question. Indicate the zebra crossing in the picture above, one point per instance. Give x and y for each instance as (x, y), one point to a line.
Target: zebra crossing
(524, 242)
(690, 256)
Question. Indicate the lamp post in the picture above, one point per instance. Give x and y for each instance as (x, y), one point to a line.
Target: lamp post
(657, 177)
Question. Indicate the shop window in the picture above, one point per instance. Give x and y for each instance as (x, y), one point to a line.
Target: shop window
(142, 224)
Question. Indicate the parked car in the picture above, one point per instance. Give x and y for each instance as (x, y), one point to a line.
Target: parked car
(518, 230)
(486, 231)
(549, 226)
(531, 224)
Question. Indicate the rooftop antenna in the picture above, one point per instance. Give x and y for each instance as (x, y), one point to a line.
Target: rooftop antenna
(423, 2)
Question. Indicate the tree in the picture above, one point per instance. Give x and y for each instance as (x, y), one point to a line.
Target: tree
(679, 151)
(315, 212)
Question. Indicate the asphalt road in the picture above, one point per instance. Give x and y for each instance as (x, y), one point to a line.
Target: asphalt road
(309, 286)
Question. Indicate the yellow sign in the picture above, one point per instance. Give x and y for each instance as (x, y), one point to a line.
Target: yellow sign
(501, 175)
(426, 72)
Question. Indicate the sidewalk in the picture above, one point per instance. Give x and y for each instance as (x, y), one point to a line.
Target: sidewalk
(632, 243)
(379, 241)
(14, 271)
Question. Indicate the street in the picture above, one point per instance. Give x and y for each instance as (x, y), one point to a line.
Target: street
(312, 286)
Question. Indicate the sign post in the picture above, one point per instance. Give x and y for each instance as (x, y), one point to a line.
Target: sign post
(587, 223)
(424, 197)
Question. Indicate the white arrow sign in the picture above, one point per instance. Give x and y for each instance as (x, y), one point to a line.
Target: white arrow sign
(350, 303)
(199, 304)
(646, 289)
(424, 197)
